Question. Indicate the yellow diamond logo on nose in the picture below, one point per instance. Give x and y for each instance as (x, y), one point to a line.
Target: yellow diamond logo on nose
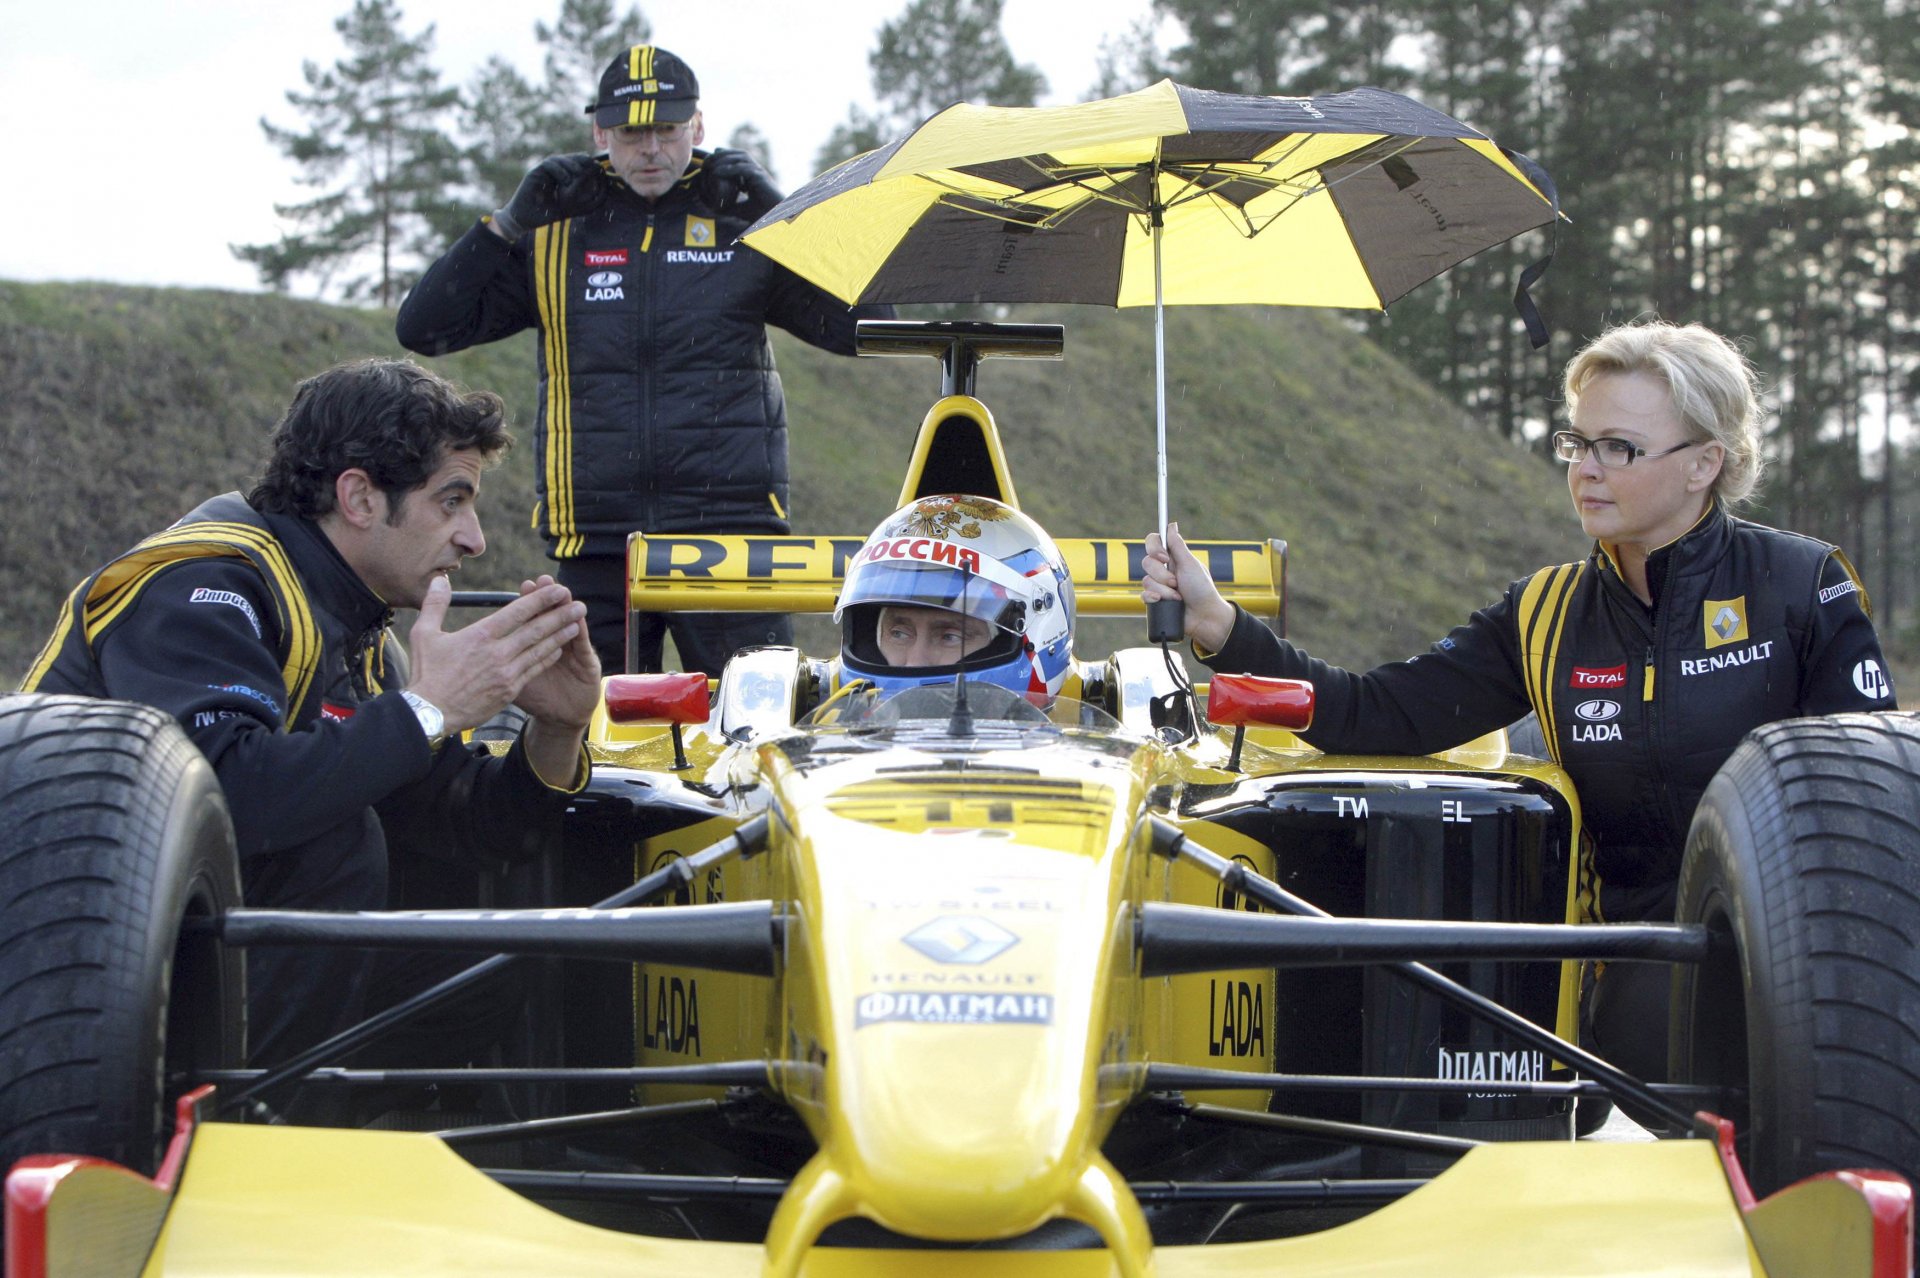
(961, 939)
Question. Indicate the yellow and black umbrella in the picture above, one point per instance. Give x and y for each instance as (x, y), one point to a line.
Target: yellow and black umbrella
(1347, 199)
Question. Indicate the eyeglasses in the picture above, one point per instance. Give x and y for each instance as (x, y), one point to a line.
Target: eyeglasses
(1613, 452)
(662, 133)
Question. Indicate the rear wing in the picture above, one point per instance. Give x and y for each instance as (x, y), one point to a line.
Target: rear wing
(693, 573)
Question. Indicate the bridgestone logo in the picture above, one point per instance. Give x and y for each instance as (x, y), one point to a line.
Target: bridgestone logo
(1832, 593)
(202, 594)
(929, 1007)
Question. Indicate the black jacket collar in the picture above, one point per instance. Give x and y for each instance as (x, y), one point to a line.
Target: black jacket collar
(1695, 550)
(332, 584)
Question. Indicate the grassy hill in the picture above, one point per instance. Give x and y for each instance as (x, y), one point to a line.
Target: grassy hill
(124, 407)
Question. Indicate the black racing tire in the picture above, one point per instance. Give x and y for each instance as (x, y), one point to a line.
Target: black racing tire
(1804, 862)
(113, 831)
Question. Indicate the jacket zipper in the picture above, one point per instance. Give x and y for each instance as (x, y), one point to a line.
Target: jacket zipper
(1662, 791)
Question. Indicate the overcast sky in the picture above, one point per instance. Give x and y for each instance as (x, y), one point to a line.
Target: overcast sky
(129, 130)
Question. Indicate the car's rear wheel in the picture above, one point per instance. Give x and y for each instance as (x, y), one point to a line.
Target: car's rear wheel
(113, 833)
(1804, 861)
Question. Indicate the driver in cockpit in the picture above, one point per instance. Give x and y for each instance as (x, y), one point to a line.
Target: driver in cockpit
(917, 637)
(958, 585)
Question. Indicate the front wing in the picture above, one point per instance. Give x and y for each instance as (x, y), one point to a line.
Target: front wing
(270, 1201)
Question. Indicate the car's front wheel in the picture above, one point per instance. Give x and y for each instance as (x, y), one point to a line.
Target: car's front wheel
(1804, 862)
(113, 835)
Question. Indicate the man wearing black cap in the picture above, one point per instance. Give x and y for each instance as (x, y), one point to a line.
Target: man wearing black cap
(660, 409)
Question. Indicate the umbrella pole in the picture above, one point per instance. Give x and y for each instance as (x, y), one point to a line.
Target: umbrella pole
(1166, 618)
(1160, 373)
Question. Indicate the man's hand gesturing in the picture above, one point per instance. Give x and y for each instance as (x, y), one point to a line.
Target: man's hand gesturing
(566, 693)
(560, 701)
(473, 673)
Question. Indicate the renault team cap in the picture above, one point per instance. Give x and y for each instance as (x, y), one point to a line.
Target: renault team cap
(645, 85)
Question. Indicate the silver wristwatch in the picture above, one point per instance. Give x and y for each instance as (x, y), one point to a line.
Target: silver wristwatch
(432, 722)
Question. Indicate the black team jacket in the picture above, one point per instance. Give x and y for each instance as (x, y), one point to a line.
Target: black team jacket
(659, 406)
(1640, 705)
(254, 633)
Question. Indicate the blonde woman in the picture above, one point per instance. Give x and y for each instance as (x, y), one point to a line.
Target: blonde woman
(1649, 661)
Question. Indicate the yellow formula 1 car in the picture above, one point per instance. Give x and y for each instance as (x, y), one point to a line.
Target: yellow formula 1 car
(1117, 979)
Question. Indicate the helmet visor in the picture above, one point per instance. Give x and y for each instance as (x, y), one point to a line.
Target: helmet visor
(935, 586)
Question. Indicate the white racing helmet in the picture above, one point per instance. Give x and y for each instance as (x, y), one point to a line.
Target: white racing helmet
(973, 556)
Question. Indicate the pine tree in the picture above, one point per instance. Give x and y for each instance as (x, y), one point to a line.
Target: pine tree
(1128, 61)
(375, 150)
(861, 131)
(1478, 59)
(504, 119)
(512, 124)
(939, 52)
(1289, 46)
(936, 53)
(586, 36)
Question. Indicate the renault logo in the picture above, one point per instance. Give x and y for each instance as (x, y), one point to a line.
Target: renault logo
(1726, 621)
(957, 939)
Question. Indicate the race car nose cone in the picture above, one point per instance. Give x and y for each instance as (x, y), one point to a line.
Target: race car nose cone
(822, 1193)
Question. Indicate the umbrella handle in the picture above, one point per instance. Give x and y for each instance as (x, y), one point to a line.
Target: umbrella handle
(1166, 621)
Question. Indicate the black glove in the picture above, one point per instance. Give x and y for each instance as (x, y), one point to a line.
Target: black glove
(734, 182)
(558, 187)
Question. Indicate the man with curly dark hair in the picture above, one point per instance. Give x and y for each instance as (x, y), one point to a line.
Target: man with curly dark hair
(262, 623)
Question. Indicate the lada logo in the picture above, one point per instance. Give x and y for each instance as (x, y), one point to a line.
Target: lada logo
(1597, 711)
(959, 939)
(605, 279)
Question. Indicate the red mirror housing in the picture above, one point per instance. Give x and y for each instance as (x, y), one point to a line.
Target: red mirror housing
(1235, 700)
(678, 698)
